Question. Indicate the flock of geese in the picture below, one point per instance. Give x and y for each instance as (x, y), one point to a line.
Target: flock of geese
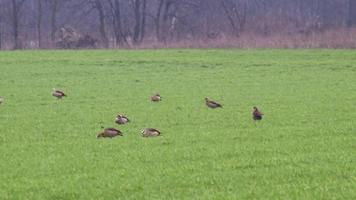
(147, 132)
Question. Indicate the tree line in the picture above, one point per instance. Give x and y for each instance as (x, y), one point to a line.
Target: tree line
(129, 23)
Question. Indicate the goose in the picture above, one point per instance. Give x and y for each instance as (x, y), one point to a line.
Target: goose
(1, 100)
(212, 104)
(256, 114)
(121, 119)
(156, 98)
(110, 133)
(150, 132)
(57, 93)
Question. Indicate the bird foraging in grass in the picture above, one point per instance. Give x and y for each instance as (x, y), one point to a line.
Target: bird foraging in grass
(57, 93)
(212, 104)
(121, 119)
(256, 114)
(150, 132)
(110, 133)
(156, 98)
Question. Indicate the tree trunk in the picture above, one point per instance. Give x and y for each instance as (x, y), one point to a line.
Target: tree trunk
(104, 38)
(15, 24)
(116, 20)
(137, 11)
(158, 20)
(143, 22)
(54, 8)
(39, 23)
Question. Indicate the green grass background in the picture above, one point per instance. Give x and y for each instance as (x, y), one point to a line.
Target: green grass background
(304, 148)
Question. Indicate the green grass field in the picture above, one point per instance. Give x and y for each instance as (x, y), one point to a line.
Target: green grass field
(304, 148)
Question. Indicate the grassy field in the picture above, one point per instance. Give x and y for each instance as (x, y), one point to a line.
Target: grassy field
(304, 148)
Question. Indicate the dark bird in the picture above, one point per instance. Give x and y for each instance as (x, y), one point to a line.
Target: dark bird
(110, 133)
(212, 104)
(57, 93)
(121, 119)
(1, 100)
(150, 132)
(256, 114)
(156, 98)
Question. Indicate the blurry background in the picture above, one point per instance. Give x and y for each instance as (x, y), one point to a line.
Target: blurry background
(177, 23)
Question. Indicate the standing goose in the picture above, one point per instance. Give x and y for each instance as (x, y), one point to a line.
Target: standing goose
(121, 119)
(150, 132)
(256, 114)
(156, 98)
(212, 104)
(57, 93)
(110, 133)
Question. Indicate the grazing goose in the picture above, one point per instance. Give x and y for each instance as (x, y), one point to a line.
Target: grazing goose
(120, 119)
(1, 100)
(212, 104)
(156, 98)
(57, 93)
(110, 133)
(256, 114)
(150, 132)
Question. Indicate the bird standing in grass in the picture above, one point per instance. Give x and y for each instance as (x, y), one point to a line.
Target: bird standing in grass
(156, 98)
(121, 119)
(256, 114)
(57, 93)
(110, 133)
(150, 132)
(1, 100)
(212, 104)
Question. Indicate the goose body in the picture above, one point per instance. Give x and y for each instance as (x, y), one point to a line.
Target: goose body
(150, 132)
(121, 119)
(110, 133)
(212, 104)
(256, 114)
(57, 93)
(156, 98)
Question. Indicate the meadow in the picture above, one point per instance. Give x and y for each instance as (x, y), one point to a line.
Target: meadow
(304, 148)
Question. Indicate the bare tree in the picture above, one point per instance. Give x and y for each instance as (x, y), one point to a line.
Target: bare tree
(39, 22)
(235, 11)
(53, 9)
(140, 19)
(98, 5)
(16, 9)
(115, 7)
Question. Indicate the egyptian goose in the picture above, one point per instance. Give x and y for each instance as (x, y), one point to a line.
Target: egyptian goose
(212, 104)
(156, 98)
(57, 93)
(256, 114)
(110, 133)
(121, 119)
(150, 132)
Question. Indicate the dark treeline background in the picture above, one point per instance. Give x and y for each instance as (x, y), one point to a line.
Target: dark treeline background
(175, 23)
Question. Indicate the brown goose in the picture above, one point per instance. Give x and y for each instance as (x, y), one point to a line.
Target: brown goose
(256, 114)
(110, 133)
(156, 98)
(212, 104)
(150, 132)
(1, 100)
(121, 119)
(57, 93)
